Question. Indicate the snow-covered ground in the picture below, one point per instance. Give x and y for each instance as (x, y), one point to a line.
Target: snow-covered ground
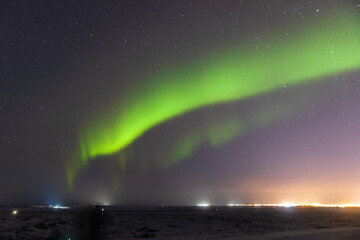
(173, 222)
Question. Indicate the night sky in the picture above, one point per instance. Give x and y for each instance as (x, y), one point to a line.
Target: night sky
(179, 102)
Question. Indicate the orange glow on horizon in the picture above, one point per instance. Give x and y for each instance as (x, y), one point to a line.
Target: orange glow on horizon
(289, 204)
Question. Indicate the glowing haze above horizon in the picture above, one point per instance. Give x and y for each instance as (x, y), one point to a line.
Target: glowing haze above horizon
(181, 102)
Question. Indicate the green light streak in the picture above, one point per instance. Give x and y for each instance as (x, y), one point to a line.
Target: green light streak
(222, 133)
(329, 46)
(214, 134)
(234, 123)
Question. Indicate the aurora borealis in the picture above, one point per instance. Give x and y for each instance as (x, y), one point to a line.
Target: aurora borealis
(180, 101)
(328, 47)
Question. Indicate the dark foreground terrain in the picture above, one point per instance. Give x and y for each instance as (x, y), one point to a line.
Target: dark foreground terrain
(163, 222)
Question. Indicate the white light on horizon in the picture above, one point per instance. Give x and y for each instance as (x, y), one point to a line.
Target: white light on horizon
(203, 204)
(58, 207)
(234, 205)
(287, 204)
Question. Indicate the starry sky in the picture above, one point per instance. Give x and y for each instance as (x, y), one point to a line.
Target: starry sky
(179, 102)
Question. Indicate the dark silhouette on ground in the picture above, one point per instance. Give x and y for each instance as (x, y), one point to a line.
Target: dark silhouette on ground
(91, 224)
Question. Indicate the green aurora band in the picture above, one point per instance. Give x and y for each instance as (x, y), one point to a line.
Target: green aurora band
(323, 47)
(233, 124)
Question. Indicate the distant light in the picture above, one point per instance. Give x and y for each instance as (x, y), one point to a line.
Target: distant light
(102, 209)
(286, 204)
(58, 207)
(203, 205)
(233, 205)
(14, 212)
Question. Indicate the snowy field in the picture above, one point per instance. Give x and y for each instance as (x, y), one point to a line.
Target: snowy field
(179, 223)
